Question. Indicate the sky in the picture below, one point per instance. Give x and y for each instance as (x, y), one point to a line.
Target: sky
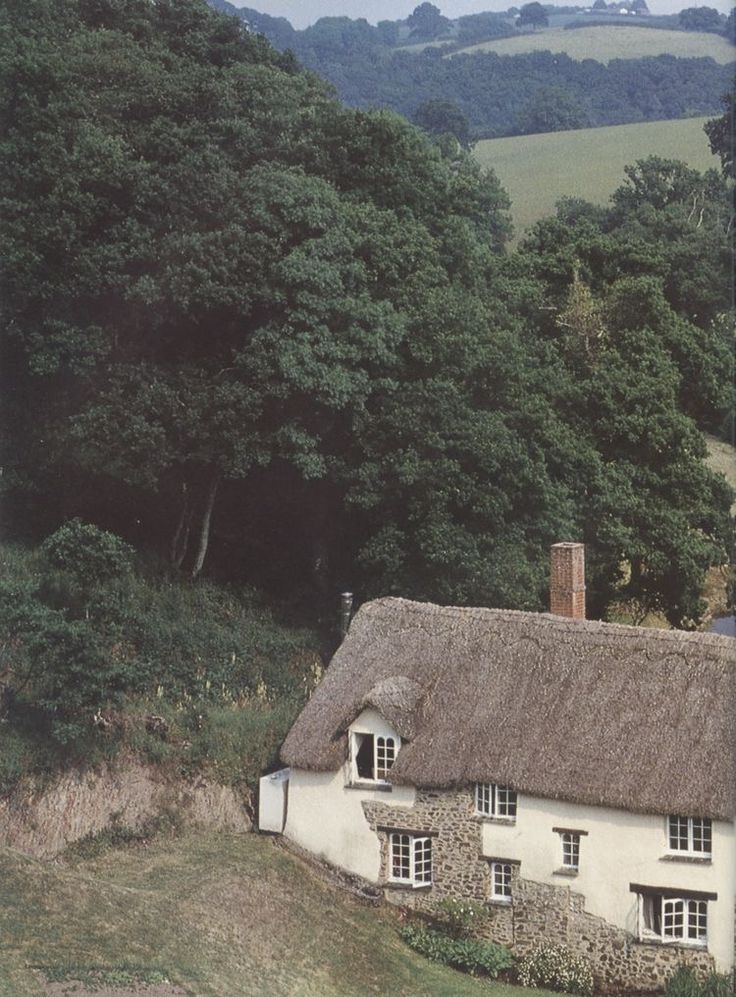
(304, 12)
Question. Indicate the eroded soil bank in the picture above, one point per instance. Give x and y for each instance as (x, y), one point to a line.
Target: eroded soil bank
(43, 819)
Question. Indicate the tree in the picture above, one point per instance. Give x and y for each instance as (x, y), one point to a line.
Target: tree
(720, 134)
(532, 14)
(551, 109)
(426, 21)
(700, 19)
(443, 117)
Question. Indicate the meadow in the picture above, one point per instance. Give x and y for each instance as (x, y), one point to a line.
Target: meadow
(206, 915)
(538, 170)
(606, 42)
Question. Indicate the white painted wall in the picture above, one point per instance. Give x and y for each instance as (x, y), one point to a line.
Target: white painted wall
(325, 814)
(272, 799)
(620, 848)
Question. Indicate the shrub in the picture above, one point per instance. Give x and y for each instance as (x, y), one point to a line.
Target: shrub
(458, 917)
(685, 982)
(557, 968)
(235, 743)
(468, 954)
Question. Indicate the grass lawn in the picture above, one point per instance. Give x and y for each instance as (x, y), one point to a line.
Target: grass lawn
(215, 914)
(607, 42)
(537, 170)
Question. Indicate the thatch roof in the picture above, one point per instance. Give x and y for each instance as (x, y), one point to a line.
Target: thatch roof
(590, 712)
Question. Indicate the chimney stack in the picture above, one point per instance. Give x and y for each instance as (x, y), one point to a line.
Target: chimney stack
(346, 611)
(567, 580)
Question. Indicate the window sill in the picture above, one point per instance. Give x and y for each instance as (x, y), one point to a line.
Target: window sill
(565, 872)
(394, 885)
(687, 857)
(378, 787)
(500, 901)
(489, 819)
(682, 943)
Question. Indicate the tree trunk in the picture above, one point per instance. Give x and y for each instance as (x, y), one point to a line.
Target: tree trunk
(180, 540)
(204, 532)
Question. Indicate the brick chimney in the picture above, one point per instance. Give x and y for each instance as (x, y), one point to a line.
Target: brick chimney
(567, 580)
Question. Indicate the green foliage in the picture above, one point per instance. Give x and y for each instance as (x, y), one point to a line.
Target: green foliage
(700, 19)
(552, 109)
(460, 917)
(685, 982)
(178, 649)
(469, 955)
(442, 117)
(720, 132)
(237, 743)
(87, 555)
(558, 968)
(532, 14)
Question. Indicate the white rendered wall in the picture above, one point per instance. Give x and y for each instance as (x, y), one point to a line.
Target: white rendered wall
(325, 814)
(620, 848)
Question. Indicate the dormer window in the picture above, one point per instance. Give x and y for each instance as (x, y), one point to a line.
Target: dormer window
(373, 756)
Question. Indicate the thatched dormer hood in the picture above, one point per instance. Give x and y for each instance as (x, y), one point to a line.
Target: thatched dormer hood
(590, 712)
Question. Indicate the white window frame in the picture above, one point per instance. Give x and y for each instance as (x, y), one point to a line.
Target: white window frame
(409, 859)
(385, 749)
(493, 800)
(692, 833)
(681, 920)
(501, 878)
(570, 841)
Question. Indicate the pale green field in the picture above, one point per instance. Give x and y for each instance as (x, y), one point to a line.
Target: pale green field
(612, 42)
(537, 170)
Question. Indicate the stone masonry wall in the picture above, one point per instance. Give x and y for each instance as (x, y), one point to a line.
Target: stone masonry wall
(539, 913)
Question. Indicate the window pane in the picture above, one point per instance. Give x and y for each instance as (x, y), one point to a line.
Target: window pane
(697, 919)
(506, 799)
(385, 755)
(570, 850)
(423, 860)
(483, 798)
(400, 856)
(702, 835)
(673, 918)
(678, 833)
(501, 873)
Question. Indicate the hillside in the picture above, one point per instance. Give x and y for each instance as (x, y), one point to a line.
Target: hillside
(216, 915)
(606, 42)
(587, 163)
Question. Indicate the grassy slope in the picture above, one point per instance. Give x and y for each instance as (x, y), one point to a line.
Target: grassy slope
(537, 170)
(219, 914)
(605, 42)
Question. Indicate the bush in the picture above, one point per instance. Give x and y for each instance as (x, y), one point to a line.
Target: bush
(468, 954)
(236, 743)
(458, 917)
(557, 968)
(684, 982)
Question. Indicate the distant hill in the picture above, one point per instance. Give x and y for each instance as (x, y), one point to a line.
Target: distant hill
(499, 85)
(612, 41)
(537, 170)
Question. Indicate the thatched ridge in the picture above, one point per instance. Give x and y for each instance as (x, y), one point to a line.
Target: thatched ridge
(590, 712)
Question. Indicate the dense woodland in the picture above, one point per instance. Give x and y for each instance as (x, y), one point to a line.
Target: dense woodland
(252, 335)
(499, 95)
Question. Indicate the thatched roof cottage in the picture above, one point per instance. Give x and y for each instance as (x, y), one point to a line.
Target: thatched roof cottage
(579, 777)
